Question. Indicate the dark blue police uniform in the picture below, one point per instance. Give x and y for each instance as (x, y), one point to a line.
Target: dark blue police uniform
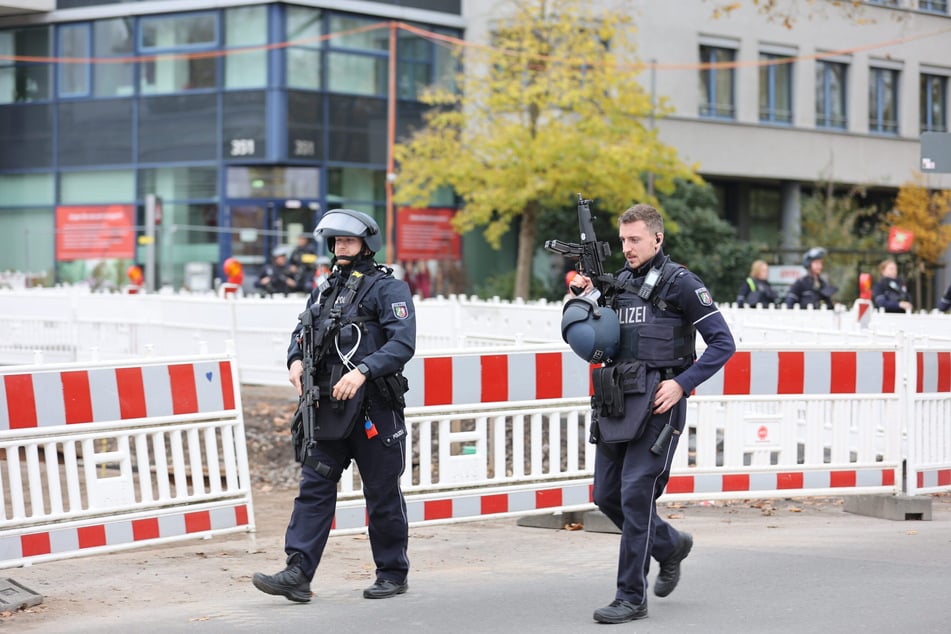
(660, 332)
(810, 290)
(888, 293)
(378, 324)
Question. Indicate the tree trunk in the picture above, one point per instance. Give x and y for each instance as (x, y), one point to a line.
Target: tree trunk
(526, 252)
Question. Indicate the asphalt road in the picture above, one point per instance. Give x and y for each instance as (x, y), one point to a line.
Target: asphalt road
(800, 566)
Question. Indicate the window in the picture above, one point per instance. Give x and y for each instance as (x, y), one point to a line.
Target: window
(182, 34)
(934, 103)
(106, 186)
(26, 136)
(20, 81)
(830, 95)
(422, 63)
(357, 63)
(775, 89)
(883, 101)
(113, 38)
(74, 77)
(933, 6)
(303, 58)
(717, 83)
(178, 128)
(244, 27)
(95, 132)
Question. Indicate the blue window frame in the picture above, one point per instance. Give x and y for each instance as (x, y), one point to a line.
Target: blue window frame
(775, 89)
(934, 103)
(74, 77)
(717, 84)
(883, 101)
(831, 95)
(933, 6)
(180, 33)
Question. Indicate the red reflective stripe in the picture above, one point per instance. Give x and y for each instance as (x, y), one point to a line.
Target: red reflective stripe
(145, 529)
(789, 480)
(21, 405)
(920, 359)
(76, 397)
(680, 484)
(437, 381)
(227, 386)
(888, 477)
(548, 378)
(547, 499)
(842, 479)
(131, 393)
(888, 372)
(241, 515)
(91, 536)
(944, 477)
(944, 371)
(736, 482)
(843, 372)
(791, 375)
(197, 522)
(736, 374)
(184, 391)
(494, 504)
(495, 378)
(34, 544)
(437, 509)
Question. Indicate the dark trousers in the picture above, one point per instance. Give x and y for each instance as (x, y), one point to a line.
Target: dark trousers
(628, 479)
(381, 461)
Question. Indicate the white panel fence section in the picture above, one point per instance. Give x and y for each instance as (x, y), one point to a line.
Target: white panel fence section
(813, 403)
(99, 457)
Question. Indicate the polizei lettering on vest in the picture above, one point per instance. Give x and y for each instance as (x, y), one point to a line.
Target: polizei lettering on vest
(632, 315)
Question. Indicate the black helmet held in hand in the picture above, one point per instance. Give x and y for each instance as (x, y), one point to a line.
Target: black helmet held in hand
(349, 222)
(815, 253)
(591, 331)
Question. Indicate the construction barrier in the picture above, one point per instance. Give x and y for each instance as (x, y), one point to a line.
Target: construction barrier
(101, 457)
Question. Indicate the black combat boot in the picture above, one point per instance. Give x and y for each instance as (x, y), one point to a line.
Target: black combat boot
(290, 582)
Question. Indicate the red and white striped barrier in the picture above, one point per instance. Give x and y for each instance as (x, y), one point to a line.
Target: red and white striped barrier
(103, 457)
(934, 371)
(461, 379)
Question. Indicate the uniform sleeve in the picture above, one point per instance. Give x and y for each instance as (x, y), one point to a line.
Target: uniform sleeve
(793, 294)
(699, 309)
(945, 302)
(397, 316)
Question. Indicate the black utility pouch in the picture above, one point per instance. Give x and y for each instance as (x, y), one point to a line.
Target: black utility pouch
(608, 399)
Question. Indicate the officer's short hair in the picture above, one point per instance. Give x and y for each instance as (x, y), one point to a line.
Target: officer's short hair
(643, 212)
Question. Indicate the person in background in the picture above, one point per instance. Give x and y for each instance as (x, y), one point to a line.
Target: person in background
(756, 289)
(303, 263)
(945, 302)
(811, 289)
(277, 276)
(890, 292)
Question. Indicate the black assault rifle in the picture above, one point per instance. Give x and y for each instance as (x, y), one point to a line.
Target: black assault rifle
(311, 340)
(590, 254)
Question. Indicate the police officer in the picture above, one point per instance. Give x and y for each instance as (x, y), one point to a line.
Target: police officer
(945, 302)
(639, 407)
(756, 289)
(811, 289)
(890, 293)
(372, 336)
(277, 277)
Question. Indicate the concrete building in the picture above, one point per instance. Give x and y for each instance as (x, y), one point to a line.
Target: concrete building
(248, 117)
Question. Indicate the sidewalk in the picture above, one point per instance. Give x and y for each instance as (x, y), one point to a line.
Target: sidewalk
(804, 565)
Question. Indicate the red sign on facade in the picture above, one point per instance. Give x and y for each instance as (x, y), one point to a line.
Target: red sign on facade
(426, 234)
(92, 232)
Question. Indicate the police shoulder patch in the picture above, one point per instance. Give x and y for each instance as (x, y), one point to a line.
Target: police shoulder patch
(704, 296)
(400, 310)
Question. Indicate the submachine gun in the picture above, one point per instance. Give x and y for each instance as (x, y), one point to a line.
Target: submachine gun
(590, 254)
(312, 341)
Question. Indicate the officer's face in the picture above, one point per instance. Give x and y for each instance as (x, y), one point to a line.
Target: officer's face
(638, 243)
(347, 247)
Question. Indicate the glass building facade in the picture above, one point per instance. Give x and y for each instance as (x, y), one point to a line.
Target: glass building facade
(246, 121)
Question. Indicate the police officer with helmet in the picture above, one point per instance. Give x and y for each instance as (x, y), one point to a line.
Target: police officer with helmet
(645, 336)
(811, 290)
(369, 334)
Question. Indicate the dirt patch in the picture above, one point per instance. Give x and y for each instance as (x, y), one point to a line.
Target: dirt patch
(268, 412)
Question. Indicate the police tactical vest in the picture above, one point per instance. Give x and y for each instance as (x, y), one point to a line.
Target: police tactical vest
(653, 330)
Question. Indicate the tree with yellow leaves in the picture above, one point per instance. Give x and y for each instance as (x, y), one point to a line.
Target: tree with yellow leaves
(923, 213)
(551, 109)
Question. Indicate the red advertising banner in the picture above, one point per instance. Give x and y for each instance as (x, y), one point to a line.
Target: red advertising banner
(95, 232)
(426, 234)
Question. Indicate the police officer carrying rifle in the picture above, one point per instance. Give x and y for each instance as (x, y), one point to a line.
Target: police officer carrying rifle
(641, 323)
(346, 358)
